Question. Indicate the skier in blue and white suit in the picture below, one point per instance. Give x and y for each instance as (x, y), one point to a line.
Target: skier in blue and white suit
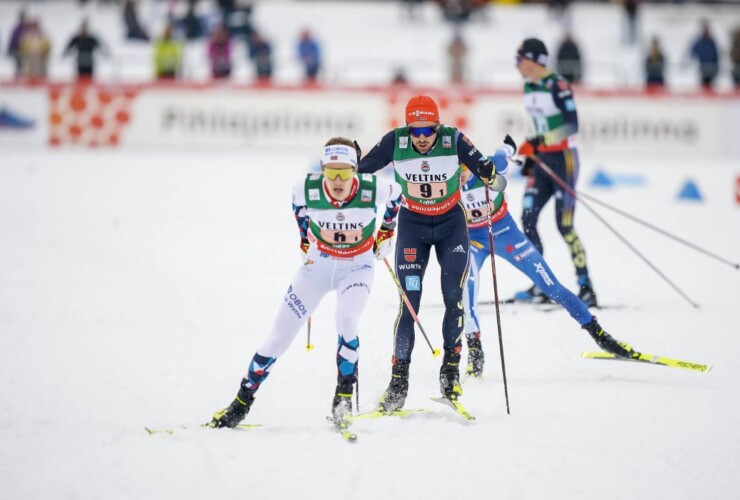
(511, 244)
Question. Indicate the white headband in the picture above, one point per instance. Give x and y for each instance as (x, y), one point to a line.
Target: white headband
(339, 153)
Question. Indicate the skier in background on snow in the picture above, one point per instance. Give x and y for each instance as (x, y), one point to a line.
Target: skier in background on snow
(548, 100)
(512, 245)
(426, 157)
(336, 215)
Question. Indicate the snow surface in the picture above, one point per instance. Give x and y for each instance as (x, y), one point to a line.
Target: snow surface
(135, 287)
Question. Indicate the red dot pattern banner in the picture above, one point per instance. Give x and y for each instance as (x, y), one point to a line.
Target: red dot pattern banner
(88, 116)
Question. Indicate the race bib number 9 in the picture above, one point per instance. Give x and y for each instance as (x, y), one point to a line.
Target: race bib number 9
(427, 190)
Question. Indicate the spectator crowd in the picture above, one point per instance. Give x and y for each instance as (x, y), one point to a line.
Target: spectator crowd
(230, 25)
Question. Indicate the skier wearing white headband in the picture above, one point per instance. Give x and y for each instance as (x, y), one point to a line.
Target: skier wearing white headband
(336, 214)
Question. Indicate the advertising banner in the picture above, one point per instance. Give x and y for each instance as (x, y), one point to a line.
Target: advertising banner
(210, 116)
(238, 118)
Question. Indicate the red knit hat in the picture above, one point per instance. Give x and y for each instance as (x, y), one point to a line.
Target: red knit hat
(422, 108)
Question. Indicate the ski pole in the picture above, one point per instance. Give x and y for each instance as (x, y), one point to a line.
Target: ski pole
(357, 387)
(435, 352)
(659, 230)
(309, 345)
(495, 296)
(573, 193)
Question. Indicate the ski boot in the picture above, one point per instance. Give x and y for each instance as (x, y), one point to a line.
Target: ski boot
(449, 375)
(341, 405)
(394, 397)
(232, 415)
(608, 343)
(476, 358)
(586, 292)
(532, 295)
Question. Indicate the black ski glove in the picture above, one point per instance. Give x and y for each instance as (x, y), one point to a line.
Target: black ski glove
(486, 170)
(508, 141)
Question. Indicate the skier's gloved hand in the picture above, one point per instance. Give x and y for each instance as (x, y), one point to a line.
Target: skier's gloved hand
(509, 146)
(531, 146)
(304, 247)
(527, 166)
(486, 170)
(383, 242)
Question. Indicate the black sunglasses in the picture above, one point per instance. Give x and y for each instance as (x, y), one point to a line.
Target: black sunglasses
(426, 131)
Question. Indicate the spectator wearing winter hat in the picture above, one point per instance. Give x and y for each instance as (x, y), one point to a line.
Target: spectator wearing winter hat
(427, 157)
(549, 101)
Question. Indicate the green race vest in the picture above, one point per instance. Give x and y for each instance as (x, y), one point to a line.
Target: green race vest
(474, 200)
(430, 182)
(540, 105)
(343, 231)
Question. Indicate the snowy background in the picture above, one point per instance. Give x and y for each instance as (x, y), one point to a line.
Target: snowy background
(135, 287)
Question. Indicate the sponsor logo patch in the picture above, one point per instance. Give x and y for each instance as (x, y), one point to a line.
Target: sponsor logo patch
(540, 269)
(413, 283)
(502, 231)
(313, 194)
(294, 303)
(409, 254)
(408, 267)
(524, 254)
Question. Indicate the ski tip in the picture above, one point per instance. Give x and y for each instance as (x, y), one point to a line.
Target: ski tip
(350, 437)
(597, 355)
(246, 427)
(151, 431)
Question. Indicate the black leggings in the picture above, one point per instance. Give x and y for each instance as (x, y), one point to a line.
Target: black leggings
(448, 233)
(540, 188)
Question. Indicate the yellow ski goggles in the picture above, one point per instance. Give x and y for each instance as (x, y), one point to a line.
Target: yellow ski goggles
(342, 173)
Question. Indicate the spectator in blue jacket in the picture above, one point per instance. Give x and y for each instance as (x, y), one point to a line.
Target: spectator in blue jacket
(704, 50)
(309, 53)
(192, 25)
(260, 52)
